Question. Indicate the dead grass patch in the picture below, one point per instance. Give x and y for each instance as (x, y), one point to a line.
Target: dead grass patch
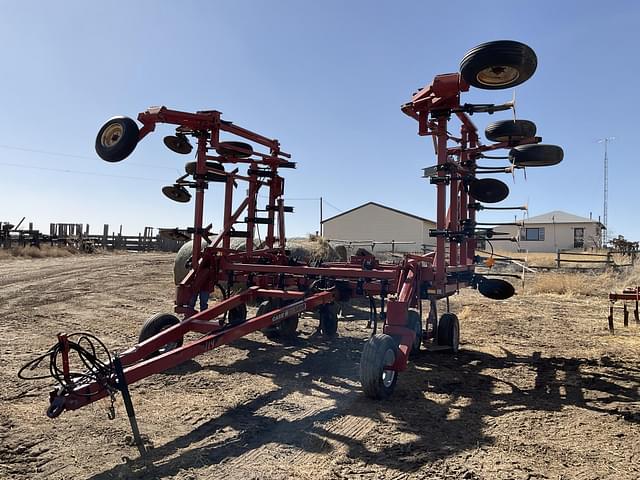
(45, 251)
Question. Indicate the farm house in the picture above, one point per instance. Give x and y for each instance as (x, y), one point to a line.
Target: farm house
(554, 231)
(383, 228)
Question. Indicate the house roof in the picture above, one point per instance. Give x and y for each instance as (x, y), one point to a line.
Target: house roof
(381, 206)
(558, 216)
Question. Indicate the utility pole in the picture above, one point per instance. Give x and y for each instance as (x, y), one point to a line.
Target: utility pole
(320, 216)
(606, 141)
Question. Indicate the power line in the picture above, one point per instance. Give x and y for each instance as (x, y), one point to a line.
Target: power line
(71, 155)
(16, 165)
(332, 206)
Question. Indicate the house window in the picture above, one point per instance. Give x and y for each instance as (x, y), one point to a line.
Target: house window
(578, 237)
(532, 234)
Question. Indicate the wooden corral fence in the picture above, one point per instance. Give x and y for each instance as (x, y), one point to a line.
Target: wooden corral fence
(576, 260)
(78, 235)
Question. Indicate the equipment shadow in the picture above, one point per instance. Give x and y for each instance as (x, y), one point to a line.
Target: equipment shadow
(477, 386)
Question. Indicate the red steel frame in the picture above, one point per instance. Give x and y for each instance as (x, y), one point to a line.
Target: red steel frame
(267, 271)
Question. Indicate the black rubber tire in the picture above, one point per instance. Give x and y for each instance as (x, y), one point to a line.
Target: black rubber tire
(224, 151)
(328, 320)
(237, 315)
(379, 351)
(488, 190)
(155, 325)
(177, 193)
(117, 138)
(498, 65)
(286, 328)
(449, 332)
(190, 168)
(496, 288)
(510, 130)
(178, 144)
(536, 155)
(414, 322)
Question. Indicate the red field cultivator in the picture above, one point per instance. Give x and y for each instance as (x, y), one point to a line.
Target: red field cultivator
(282, 287)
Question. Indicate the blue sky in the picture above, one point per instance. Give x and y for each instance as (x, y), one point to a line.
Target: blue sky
(325, 78)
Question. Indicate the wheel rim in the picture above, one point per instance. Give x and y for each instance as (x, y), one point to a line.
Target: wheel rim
(168, 347)
(498, 75)
(111, 135)
(388, 376)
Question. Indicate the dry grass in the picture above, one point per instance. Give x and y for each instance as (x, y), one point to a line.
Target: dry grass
(580, 283)
(547, 259)
(45, 251)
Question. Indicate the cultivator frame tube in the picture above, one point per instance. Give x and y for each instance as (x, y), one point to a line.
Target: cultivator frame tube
(266, 273)
(137, 364)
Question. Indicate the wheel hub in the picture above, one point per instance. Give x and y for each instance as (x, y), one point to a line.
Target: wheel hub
(111, 135)
(498, 75)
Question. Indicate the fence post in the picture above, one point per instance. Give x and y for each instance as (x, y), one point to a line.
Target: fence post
(558, 258)
(609, 258)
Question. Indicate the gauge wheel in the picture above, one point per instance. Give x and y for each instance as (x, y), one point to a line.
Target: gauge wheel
(211, 176)
(117, 139)
(414, 322)
(177, 193)
(449, 332)
(498, 65)
(237, 315)
(286, 328)
(488, 190)
(154, 326)
(229, 149)
(379, 353)
(328, 320)
(536, 155)
(510, 130)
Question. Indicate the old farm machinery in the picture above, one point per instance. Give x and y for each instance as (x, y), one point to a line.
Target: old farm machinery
(265, 274)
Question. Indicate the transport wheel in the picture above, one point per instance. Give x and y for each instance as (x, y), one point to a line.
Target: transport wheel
(117, 139)
(190, 168)
(224, 150)
(496, 288)
(155, 325)
(328, 320)
(237, 315)
(178, 143)
(488, 190)
(415, 323)
(379, 351)
(449, 332)
(498, 65)
(510, 130)
(536, 155)
(287, 328)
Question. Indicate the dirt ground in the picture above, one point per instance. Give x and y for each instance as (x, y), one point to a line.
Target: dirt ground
(540, 389)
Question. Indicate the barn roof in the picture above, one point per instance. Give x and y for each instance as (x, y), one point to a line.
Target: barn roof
(558, 216)
(381, 206)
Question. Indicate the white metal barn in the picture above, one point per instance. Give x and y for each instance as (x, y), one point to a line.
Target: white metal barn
(380, 228)
(554, 231)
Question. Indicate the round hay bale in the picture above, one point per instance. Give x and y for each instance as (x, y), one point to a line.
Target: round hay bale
(314, 249)
(182, 262)
(341, 251)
